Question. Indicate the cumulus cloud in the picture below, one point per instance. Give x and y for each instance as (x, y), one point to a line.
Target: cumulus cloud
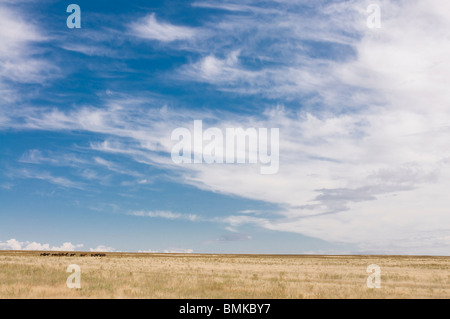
(148, 251)
(13, 244)
(68, 247)
(102, 248)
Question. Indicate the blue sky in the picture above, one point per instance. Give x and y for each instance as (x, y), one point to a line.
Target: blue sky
(86, 117)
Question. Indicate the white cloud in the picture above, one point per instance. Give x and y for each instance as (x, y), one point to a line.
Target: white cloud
(32, 157)
(18, 58)
(90, 50)
(35, 156)
(178, 251)
(275, 43)
(215, 70)
(102, 248)
(358, 176)
(21, 60)
(38, 246)
(13, 244)
(68, 247)
(250, 211)
(150, 28)
(148, 251)
(117, 169)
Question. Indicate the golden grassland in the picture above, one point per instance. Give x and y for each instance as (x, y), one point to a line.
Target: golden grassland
(132, 275)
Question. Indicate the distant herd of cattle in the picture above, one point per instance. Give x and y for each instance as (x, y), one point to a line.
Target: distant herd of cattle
(71, 255)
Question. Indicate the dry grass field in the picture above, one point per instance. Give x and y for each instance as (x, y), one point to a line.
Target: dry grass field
(123, 275)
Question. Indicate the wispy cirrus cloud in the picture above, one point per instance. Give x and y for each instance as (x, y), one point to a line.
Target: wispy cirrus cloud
(35, 156)
(91, 50)
(330, 164)
(281, 50)
(151, 29)
(115, 167)
(21, 60)
(47, 176)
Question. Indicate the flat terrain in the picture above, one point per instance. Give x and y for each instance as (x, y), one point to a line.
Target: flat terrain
(126, 275)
